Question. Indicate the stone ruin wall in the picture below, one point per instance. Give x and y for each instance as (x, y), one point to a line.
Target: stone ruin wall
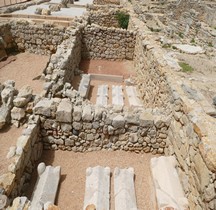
(70, 126)
(107, 43)
(24, 154)
(151, 79)
(104, 16)
(63, 64)
(37, 38)
(105, 2)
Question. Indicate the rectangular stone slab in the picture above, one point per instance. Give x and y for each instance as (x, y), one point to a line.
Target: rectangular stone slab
(102, 95)
(169, 192)
(97, 188)
(133, 96)
(124, 190)
(46, 187)
(84, 85)
(117, 95)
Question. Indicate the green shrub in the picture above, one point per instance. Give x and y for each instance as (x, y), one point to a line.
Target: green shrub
(186, 67)
(123, 19)
(193, 41)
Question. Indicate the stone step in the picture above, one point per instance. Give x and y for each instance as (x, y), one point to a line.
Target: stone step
(133, 96)
(117, 95)
(84, 85)
(169, 192)
(124, 190)
(102, 95)
(46, 187)
(97, 188)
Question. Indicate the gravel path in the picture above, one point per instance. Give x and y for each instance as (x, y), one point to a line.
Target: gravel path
(73, 167)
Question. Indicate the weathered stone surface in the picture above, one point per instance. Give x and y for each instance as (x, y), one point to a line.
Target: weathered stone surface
(64, 111)
(7, 182)
(124, 190)
(168, 188)
(17, 113)
(43, 107)
(97, 188)
(118, 121)
(84, 85)
(46, 187)
(117, 95)
(146, 119)
(4, 116)
(77, 113)
(87, 114)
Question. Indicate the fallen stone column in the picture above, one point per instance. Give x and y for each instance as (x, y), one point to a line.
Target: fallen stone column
(124, 191)
(97, 188)
(46, 187)
(168, 188)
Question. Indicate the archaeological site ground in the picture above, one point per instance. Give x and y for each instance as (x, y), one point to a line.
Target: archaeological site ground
(107, 104)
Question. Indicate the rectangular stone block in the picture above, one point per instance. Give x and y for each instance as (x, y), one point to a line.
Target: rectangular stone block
(169, 192)
(84, 85)
(102, 95)
(133, 96)
(46, 187)
(64, 111)
(124, 191)
(117, 95)
(97, 188)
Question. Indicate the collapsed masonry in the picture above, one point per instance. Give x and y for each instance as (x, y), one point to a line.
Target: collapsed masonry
(171, 123)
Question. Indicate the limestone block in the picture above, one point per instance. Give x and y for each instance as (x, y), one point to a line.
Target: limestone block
(46, 187)
(84, 85)
(12, 152)
(20, 203)
(25, 92)
(4, 115)
(7, 182)
(124, 190)
(146, 119)
(168, 188)
(17, 113)
(64, 111)
(87, 114)
(97, 188)
(20, 102)
(133, 96)
(77, 113)
(102, 95)
(3, 201)
(43, 107)
(118, 121)
(117, 95)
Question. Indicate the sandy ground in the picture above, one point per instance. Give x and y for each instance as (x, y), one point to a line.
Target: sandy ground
(8, 138)
(204, 74)
(73, 166)
(123, 68)
(24, 69)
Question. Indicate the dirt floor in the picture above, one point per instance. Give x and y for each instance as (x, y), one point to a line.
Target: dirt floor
(123, 68)
(73, 172)
(203, 75)
(24, 69)
(8, 138)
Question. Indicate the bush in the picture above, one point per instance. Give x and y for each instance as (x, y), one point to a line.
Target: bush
(123, 19)
(186, 67)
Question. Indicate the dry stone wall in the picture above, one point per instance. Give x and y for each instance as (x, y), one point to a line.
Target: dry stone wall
(191, 140)
(105, 15)
(151, 79)
(37, 38)
(27, 150)
(105, 2)
(107, 43)
(63, 63)
(84, 127)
